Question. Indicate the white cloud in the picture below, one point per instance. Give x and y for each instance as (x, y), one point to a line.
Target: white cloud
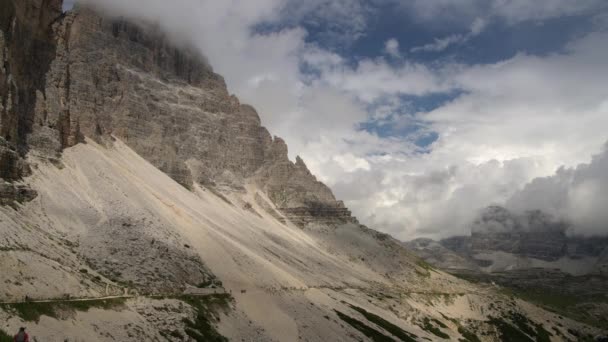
(370, 80)
(391, 47)
(578, 195)
(441, 44)
(462, 12)
(514, 120)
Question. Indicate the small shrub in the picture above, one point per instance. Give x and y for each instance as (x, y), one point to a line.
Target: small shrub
(31, 312)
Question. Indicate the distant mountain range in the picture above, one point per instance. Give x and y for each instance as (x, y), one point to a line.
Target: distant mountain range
(501, 240)
(530, 255)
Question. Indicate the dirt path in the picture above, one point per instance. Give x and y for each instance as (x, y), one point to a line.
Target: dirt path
(200, 293)
(58, 300)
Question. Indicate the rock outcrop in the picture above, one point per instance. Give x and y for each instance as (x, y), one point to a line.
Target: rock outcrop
(103, 78)
(26, 51)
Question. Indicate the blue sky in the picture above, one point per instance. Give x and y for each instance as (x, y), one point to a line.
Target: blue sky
(499, 40)
(417, 113)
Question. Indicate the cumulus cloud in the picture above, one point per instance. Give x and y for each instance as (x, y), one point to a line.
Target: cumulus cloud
(392, 47)
(441, 44)
(577, 195)
(508, 122)
(462, 12)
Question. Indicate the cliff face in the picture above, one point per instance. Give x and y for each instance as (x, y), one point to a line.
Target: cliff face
(26, 50)
(101, 78)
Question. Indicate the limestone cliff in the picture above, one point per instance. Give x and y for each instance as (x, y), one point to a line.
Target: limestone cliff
(26, 50)
(103, 77)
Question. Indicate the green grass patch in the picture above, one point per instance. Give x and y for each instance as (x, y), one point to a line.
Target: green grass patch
(562, 304)
(531, 328)
(508, 332)
(439, 323)
(4, 337)
(522, 327)
(31, 312)
(468, 336)
(202, 328)
(426, 267)
(428, 326)
(370, 332)
(522, 323)
(386, 325)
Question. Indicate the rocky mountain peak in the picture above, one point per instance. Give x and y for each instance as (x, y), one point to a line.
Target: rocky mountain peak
(104, 77)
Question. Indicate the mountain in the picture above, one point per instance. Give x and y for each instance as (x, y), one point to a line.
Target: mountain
(140, 201)
(501, 240)
(438, 254)
(532, 254)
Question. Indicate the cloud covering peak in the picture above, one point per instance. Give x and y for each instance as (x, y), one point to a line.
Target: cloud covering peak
(578, 195)
(415, 145)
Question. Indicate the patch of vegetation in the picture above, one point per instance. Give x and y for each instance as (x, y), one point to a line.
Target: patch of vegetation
(468, 336)
(580, 337)
(169, 335)
(527, 327)
(542, 335)
(202, 328)
(508, 332)
(31, 312)
(453, 320)
(468, 277)
(4, 337)
(428, 326)
(522, 323)
(562, 304)
(426, 267)
(372, 333)
(439, 323)
(211, 282)
(386, 325)
(531, 328)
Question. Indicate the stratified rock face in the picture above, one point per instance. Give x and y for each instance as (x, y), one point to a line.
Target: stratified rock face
(102, 77)
(297, 193)
(532, 234)
(26, 50)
